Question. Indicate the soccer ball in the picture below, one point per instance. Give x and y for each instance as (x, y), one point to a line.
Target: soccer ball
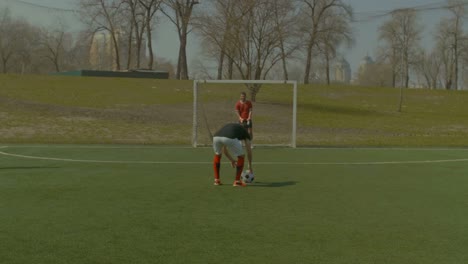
(247, 176)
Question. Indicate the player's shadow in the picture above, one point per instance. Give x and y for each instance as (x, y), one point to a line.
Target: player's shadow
(272, 184)
(27, 168)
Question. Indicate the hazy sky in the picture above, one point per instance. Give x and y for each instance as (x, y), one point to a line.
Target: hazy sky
(166, 44)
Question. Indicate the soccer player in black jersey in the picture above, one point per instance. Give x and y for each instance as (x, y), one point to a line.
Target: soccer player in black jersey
(228, 140)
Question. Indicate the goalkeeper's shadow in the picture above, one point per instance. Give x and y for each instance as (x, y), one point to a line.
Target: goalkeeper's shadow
(273, 184)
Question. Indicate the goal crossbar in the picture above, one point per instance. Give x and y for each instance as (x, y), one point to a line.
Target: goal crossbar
(195, 103)
(248, 81)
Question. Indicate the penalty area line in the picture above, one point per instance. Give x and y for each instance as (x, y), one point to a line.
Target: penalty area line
(100, 161)
(364, 163)
(256, 163)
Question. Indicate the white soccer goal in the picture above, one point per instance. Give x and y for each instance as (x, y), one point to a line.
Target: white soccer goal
(274, 110)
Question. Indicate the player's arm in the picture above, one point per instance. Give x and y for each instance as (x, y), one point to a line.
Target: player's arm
(239, 116)
(248, 148)
(238, 112)
(228, 155)
(250, 112)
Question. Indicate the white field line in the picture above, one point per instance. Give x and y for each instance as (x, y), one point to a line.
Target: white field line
(202, 147)
(101, 161)
(257, 163)
(97, 147)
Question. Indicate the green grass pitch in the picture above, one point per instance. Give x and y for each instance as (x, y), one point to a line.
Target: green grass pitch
(143, 204)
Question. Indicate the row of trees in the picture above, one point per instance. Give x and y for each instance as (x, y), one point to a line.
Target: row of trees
(402, 56)
(245, 38)
(26, 48)
(133, 21)
(258, 39)
(126, 25)
(249, 39)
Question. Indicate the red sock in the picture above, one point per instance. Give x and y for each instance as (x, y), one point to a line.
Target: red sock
(216, 166)
(240, 167)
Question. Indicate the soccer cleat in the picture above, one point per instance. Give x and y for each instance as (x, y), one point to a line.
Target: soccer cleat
(239, 183)
(217, 182)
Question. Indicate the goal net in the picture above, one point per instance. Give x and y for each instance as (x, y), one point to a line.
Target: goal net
(273, 115)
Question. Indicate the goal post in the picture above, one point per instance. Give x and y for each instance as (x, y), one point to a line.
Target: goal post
(274, 110)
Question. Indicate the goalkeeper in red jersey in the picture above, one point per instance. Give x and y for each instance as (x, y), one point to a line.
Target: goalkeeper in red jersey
(227, 140)
(244, 113)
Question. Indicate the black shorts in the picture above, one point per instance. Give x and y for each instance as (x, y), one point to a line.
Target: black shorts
(246, 124)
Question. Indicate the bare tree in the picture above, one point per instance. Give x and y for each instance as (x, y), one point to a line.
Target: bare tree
(180, 15)
(78, 55)
(150, 8)
(336, 33)
(18, 43)
(402, 35)
(134, 28)
(314, 25)
(142, 13)
(287, 31)
(429, 67)
(6, 45)
(52, 42)
(216, 26)
(106, 15)
(446, 52)
(26, 48)
(390, 52)
(255, 42)
(450, 42)
(252, 35)
(223, 27)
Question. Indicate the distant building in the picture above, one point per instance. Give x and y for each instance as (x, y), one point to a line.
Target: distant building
(102, 55)
(342, 71)
(366, 62)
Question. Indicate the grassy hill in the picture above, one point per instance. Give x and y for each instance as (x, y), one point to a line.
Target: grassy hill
(59, 109)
